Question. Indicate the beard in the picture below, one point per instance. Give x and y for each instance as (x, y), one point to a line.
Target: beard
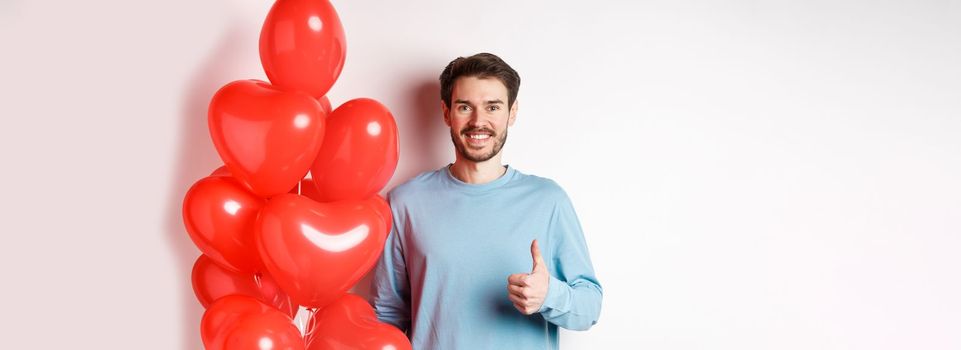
(459, 144)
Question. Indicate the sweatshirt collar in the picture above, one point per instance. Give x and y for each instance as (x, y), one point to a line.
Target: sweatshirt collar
(500, 181)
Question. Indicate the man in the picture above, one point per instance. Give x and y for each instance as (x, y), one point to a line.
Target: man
(456, 272)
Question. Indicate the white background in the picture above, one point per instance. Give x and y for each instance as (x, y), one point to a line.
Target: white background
(749, 175)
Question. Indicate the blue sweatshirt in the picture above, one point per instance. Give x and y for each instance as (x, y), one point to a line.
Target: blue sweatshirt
(443, 274)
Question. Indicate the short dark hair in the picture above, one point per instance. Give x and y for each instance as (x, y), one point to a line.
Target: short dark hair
(482, 65)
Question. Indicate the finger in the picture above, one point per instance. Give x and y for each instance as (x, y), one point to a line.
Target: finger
(517, 279)
(520, 308)
(537, 257)
(517, 300)
(515, 290)
(524, 308)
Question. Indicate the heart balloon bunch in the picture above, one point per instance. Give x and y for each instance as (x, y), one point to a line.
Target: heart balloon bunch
(293, 218)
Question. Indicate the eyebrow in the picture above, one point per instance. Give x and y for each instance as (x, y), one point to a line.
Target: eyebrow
(488, 102)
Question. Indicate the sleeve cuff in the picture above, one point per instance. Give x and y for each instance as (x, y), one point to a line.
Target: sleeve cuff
(558, 293)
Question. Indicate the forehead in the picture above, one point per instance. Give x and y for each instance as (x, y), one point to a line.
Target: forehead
(479, 89)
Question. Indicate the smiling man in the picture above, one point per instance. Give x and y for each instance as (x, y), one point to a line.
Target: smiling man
(480, 255)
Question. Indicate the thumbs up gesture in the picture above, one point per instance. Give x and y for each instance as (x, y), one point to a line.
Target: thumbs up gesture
(528, 290)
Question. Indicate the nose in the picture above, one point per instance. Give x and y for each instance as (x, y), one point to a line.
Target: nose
(476, 119)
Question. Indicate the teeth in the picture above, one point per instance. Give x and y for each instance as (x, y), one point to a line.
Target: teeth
(480, 137)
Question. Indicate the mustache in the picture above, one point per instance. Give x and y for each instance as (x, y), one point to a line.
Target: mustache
(466, 130)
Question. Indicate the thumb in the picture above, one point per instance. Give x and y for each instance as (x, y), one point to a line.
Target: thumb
(539, 264)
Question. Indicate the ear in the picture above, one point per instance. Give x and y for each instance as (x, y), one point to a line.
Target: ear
(446, 111)
(513, 116)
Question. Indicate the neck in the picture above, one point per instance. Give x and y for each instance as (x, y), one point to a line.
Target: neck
(478, 172)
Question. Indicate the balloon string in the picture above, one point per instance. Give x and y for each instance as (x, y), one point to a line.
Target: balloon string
(290, 306)
(311, 323)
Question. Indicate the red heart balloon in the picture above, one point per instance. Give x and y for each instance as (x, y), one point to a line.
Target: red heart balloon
(350, 323)
(211, 282)
(221, 171)
(359, 154)
(383, 208)
(268, 138)
(220, 214)
(302, 46)
(223, 315)
(268, 331)
(317, 251)
(242, 322)
(307, 189)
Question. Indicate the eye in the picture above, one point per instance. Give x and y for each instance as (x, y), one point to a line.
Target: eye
(493, 108)
(463, 108)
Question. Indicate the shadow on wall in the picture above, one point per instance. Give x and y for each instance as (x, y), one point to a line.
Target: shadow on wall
(196, 158)
(425, 139)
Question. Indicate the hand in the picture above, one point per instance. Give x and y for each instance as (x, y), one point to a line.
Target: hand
(528, 290)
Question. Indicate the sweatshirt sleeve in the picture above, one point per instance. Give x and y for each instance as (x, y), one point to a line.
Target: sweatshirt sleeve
(573, 295)
(390, 287)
